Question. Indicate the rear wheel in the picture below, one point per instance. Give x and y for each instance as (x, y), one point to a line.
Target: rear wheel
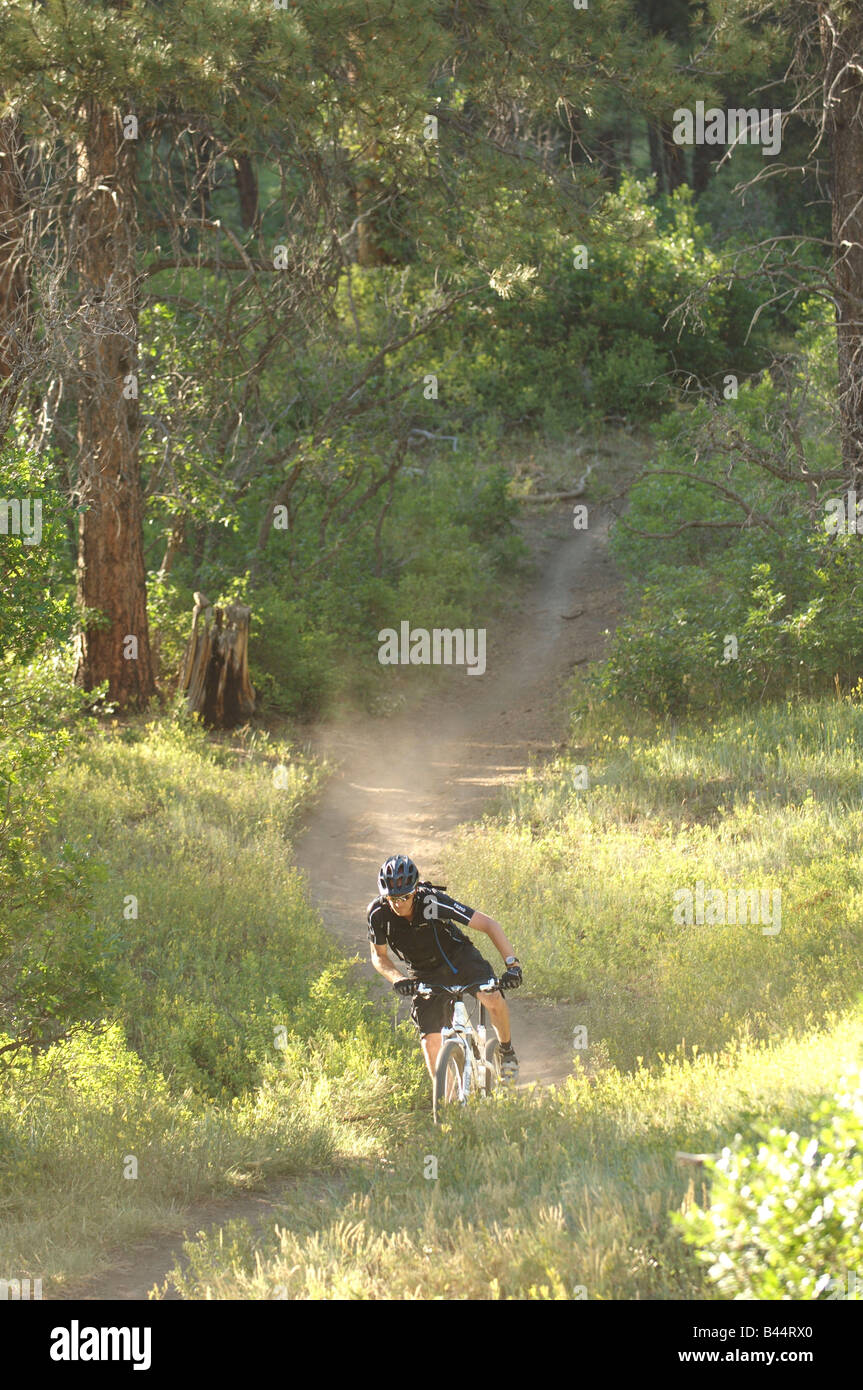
(449, 1071)
(492, 1065)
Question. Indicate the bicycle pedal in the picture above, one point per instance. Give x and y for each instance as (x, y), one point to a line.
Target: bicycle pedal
(508, 1070)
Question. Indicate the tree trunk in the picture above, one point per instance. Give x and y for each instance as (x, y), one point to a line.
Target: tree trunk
(667, 160)
(111, 573)
(368, 191)
(247, 190)
(702, 168)
(215, 672)
(15, 320)
(674, 160)
(176, 540)
(842, 46)
(606, 154)
(369, 249)
(657, 163)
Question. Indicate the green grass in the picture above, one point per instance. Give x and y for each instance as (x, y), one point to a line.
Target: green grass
(565, 1197)
(233, 1051)
(584, 880)
(696, 1033)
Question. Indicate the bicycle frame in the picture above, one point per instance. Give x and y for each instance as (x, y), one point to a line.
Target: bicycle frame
(472, 1040)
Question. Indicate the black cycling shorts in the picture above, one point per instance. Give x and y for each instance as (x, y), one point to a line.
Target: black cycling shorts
(431, 1015)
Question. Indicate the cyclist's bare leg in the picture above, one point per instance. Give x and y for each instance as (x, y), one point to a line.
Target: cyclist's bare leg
(499, 1015)
(431, 1045)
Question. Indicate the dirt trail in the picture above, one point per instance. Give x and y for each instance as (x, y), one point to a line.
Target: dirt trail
(403, 783)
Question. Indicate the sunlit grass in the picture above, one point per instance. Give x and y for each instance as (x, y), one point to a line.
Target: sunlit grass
(566, 1197)
(234, 1051)
(694, 1033)
(584, 879)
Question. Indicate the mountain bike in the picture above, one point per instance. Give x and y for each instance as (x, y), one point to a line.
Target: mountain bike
(468, 1061)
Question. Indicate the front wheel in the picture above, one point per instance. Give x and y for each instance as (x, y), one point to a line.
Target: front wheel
(449, 1071)
(492, 1065)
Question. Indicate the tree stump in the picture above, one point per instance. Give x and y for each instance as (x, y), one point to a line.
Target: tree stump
(215, 673)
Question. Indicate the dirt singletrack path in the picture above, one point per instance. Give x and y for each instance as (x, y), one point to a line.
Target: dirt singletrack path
(403, 783)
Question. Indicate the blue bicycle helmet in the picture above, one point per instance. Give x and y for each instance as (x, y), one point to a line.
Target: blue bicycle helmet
(398, 875)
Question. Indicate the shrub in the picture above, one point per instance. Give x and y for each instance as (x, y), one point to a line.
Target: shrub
(786, 1217)
(605, 339)
(699, 574)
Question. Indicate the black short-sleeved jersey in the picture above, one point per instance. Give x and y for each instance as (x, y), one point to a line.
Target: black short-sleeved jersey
(430, 938)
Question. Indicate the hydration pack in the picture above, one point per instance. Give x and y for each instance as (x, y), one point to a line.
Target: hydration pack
(425, 887)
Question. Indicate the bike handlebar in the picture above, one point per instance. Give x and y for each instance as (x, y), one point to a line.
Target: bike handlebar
(458, 991)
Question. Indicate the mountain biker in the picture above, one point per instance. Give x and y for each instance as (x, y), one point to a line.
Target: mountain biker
(418, 920)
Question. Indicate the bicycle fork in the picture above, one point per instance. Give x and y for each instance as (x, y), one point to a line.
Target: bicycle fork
(460, 1030)
(472, 1043)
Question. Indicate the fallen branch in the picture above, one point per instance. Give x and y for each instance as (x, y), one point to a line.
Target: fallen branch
(428, 434)
(578, 491)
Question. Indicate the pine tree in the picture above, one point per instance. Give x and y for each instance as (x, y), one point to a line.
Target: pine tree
(111, 572)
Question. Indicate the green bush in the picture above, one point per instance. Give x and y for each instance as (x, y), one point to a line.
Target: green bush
(607, 339)
(169, 619)
(786, 1216)
(628, 379)
(699, 575)
(293, 656)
